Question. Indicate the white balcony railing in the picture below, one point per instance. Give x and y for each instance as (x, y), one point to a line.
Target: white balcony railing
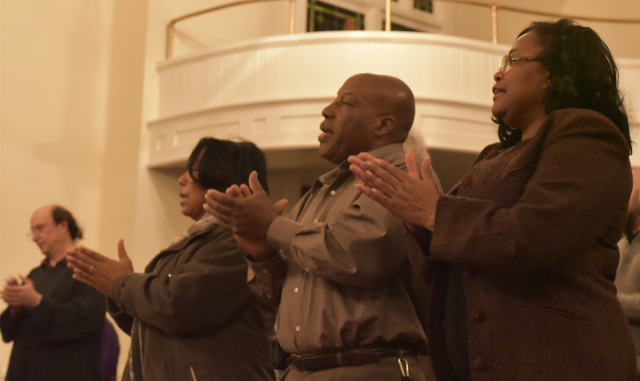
(272, 90)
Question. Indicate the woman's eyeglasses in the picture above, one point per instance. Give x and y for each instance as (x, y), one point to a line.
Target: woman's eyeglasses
(507, 60)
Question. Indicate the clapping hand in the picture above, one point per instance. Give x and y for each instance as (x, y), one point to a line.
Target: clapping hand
(98, 271)
(412, 196)
(20, 295)
(246, 211)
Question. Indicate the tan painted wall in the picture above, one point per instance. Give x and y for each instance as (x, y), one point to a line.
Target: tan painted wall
(475, 22)
(71, 94)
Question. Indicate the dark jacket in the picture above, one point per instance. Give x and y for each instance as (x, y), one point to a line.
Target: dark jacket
(534, 231)
(59, 340)
(191, 315)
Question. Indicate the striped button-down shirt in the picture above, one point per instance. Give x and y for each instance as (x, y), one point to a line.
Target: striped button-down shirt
(342, 279)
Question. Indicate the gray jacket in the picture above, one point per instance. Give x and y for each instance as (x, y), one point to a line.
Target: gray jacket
(191, 315)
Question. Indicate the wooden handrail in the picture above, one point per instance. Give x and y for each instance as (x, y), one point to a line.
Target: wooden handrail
(495, 7)
(172, 22)
(492, 6)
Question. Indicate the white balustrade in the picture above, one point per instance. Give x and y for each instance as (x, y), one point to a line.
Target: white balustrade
(272, 90)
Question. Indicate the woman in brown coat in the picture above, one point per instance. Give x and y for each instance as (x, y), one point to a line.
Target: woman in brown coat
(190, 315)
(521, 254)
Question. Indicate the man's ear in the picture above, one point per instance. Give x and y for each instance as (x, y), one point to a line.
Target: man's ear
(386, 126)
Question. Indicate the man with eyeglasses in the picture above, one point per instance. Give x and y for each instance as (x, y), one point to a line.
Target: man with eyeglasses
(54, 321)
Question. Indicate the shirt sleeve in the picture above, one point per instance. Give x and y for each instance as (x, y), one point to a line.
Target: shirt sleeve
(362, 246)
(9, 325)
(59, 321)
(573, 200)
(211, 284)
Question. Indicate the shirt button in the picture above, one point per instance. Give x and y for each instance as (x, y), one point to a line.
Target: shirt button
(169, 275)
(477, 316)
(306, 269)
(333, 193)
(295, 289)
(466, 181)
(297, 328)
(268, 296)
(481, 363)
(265, 271)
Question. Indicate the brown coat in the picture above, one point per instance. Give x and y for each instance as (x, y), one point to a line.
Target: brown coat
(534, 231)
(191, 315)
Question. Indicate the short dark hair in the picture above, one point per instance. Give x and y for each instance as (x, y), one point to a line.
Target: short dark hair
(222, 163)
(582, 74)
(60, 214)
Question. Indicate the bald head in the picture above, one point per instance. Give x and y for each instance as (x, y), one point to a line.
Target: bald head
(370, 111)
(389, 96)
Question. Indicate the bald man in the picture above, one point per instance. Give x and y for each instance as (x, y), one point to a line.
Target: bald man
(54, 321)
(350, 307)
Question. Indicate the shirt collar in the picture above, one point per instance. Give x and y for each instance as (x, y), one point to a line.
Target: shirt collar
(45, 263)
(393, 153)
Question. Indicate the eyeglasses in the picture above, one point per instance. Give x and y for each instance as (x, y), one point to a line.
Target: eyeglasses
(507, 60)
(36, 231)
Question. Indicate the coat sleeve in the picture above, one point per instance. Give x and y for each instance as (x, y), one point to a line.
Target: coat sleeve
(122, 319)
(576, 194)
(364, 245)
(202, 295)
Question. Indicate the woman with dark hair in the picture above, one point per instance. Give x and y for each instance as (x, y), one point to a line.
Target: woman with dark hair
(190, 315)
(222, 163)
(521, 254)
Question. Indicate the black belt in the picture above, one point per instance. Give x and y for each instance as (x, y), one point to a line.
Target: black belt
(353, 357)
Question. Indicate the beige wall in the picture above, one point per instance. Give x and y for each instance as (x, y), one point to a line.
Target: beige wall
(71, 94)
(475, 22)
